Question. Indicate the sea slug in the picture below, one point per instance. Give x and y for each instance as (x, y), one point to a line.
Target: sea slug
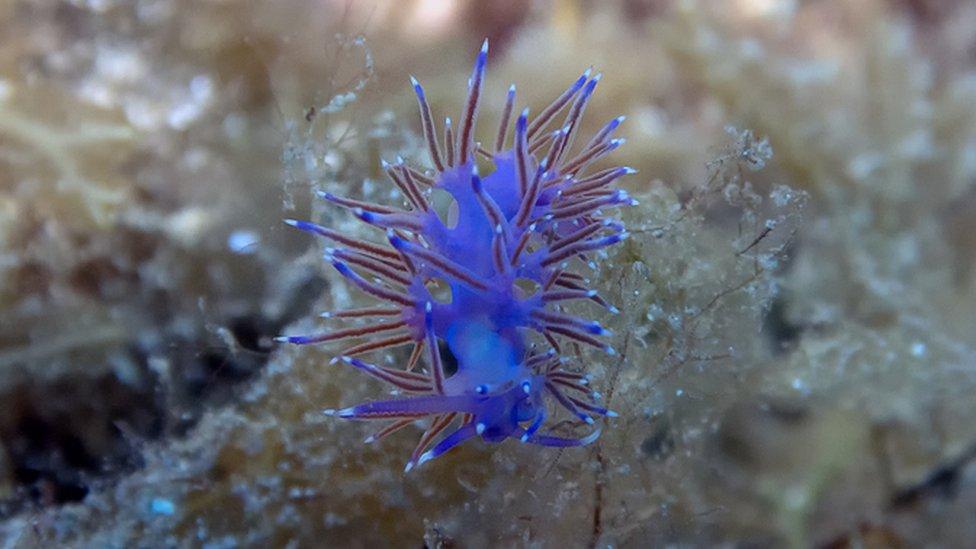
(506, 253)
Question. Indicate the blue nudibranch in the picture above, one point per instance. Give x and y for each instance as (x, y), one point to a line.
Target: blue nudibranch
(531, 218)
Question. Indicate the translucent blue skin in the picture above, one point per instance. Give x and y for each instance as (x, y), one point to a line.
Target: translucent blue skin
(469, 244)
(483, 328)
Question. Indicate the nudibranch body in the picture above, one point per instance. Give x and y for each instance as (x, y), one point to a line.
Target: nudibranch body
(524, 224)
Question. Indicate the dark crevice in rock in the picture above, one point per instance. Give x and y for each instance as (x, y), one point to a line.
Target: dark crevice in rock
(64, 434)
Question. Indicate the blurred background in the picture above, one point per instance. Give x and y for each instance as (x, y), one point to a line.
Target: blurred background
(798, 299)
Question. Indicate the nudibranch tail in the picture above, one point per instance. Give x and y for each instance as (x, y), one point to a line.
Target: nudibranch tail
(508, 263)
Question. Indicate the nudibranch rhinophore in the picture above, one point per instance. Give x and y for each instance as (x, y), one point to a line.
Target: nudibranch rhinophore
(507, 258)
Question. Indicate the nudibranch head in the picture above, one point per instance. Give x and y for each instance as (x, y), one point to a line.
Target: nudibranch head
(524, 224)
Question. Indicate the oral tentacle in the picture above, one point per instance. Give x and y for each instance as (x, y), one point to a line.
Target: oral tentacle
(462, 434)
